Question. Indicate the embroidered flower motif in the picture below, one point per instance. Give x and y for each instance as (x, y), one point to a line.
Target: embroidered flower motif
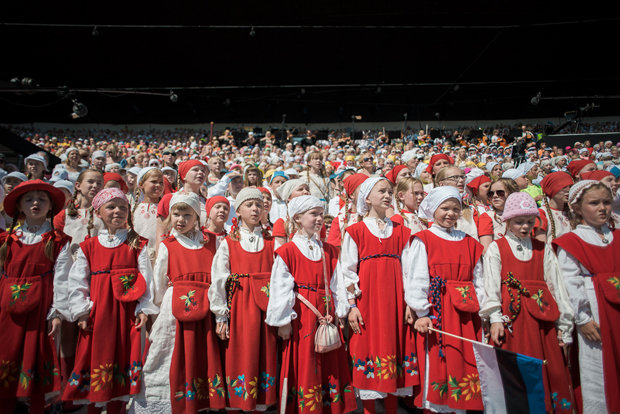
(265, 289)
(538, 297)
(216, 387)
(25, 377)
(189, 299)
(410, 364)
(314, 398)
(102, 377)
(127, 281)
(440, 387)
(74, 379)
(468, 387)
(615, 281)
(465, 293)
(19, 292)
(266, 380)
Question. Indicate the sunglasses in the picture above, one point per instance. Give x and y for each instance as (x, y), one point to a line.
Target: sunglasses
(500, 193)
(367, 159)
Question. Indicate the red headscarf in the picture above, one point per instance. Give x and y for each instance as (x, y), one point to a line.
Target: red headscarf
(213, 201)
(436, 158)
(265, 191)
(353, 181)
(393, 173)
(597, 175)
(475, 184)
(185, 166)
(554, 182)
(576, 166)
(110, 176)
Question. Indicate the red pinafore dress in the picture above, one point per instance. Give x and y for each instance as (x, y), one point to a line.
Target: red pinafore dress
(196, 376)
(383, 355)
(317, 382)
(453, 376)
(604, 267)
(252, 350)
(533, 311)
(108, 359)
(28, 360)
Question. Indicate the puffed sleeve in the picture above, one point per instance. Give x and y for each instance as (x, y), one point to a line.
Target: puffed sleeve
(62, 267)
(348, 267)
(220, 187)
(339, 293)
(145, 303)
(79, 287)
(558, 290)
(160, 274)
(491, 308)
(479, 281)
(417, 281)
(281, 295)
(220, 270)
(574, 282)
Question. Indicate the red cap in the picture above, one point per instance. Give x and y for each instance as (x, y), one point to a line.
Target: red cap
(213, 201)
(353, 181)
(56, 196)
(393, 173)
(436, 158)
(110, 176)
(576, 166)
(554, 182)
(597, 175)
(185, 166)
(474, 184)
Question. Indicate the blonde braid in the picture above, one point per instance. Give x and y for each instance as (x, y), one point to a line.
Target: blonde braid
(550, 218)
(49, 245)
(5, 246)
(133, 238)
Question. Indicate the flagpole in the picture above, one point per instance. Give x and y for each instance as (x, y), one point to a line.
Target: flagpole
(469, 340)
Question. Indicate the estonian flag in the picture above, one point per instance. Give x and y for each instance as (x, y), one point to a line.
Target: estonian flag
(510, 383)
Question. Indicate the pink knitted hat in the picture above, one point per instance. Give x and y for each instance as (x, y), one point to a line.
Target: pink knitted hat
(519, 204)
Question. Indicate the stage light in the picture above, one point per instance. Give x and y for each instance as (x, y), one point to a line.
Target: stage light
(79, 110)
(173, 96)
(95, 32)
(536, 99)
(252, 32)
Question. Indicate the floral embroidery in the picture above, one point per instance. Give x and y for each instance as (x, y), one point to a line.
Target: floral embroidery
(195, 389)
(384, 368)
(189, 299)
(538, 297)
(102, 377)
(216, 387)
(615, 281)
(25, 378)
(440, 387)
(81, 381)
(127, 282)
(468, 387)
(265, 289)
(465, 293)
(564, 403)
(266, 380)
(19, 292)
(243, 388)
(410, 364)
(135, 373)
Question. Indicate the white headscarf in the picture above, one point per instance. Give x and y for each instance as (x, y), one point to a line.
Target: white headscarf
(434, 199)
(191, 199)
(302, 204)
(365, 188)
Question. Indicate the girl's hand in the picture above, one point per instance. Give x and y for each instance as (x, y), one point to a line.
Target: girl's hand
(486, 328)
(221, 329)
(409, 319)
(591, 331)
(355, 320)
(341, 322)
(140, 320)
(422, 324)
(83, 324)
(497, 333)
(54, 326)
(284, 332)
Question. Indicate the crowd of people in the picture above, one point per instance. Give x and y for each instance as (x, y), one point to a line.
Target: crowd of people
(211, 271)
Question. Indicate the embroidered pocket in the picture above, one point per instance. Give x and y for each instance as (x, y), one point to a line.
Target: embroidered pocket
(610, 286)
(540, 303)
(463, 295)
(21, 295)
(128, 285)
(259, 285)
(190, 300)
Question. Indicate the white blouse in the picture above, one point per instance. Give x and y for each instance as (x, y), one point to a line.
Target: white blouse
(417, 278)
(160, 271)
(79, 278)
(282, 294)
(251, 241)
(145, 224)
(61, 268)
(492, 308)
(576, 275)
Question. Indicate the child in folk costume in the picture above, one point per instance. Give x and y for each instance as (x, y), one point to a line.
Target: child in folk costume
(609, 180)
(555, 217)
(490, 224)
(446, 287)
(589, 261)
(409, 195)
(35, 262)
(110, 295)
(347, 213)
(526, 300)
(183, 369)
(284, 227)
(148, 192)
(218, 208)
(238, 295)
(318, 382)
(265, 221)
(382, 347)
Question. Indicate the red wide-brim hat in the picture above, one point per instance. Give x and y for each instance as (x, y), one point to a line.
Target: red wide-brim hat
(57, 197)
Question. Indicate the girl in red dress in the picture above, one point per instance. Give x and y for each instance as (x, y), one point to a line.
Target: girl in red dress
(347, 213)
(526, 300)
(554, 219)
(183, 369)
(284, 227)
(148, 192)
(409, 194)
(35, 262)
(110, 295)
(218, 209)
(589, 261)
(382, 347)
(238, 297)
(445, 286)
(316, 382)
